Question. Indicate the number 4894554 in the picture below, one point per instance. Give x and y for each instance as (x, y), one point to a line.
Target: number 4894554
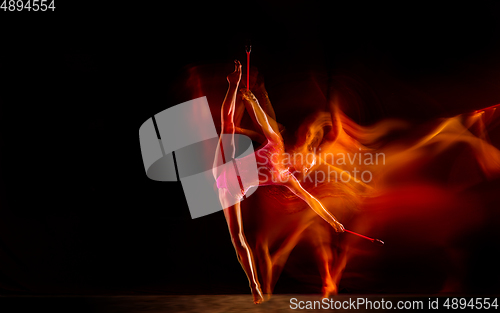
(27, 5)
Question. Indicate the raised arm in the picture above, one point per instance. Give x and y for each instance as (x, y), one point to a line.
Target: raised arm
(274, 137)
(267, 124)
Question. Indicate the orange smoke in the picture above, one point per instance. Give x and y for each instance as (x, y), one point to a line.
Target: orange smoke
(415, 186)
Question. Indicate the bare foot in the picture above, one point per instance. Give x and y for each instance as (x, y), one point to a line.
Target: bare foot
(235, 77)
(257, 296)
(329, 290)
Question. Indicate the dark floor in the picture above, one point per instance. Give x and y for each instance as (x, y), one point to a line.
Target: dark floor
(235, 303)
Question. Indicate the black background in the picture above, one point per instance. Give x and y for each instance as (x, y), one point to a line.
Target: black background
(78, 214)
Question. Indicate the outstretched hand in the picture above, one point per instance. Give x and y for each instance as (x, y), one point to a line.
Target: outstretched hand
(338, 227)
(235, 77)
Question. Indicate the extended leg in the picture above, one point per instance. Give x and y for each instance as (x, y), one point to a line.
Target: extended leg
(230, 122)
(243, 251)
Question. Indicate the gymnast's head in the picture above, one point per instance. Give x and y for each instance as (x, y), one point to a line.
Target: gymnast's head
(304, 145)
